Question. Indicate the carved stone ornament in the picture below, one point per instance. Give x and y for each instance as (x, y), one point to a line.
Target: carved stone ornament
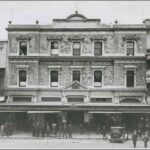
(136, 98)
(131, 37)
(23, 37)
(51, 38)
(75, 39)
(99, 39)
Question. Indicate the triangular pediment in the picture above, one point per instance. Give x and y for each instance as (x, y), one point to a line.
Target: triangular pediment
(75, 85)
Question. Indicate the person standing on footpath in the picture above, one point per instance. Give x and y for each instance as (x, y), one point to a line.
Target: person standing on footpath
(145, 139)
(47, 129)
(65, 130)
(134, 138)
(2, 127)
(104, 132)
(70, 130)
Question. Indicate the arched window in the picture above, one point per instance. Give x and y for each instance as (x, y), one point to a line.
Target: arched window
(22, 78)
(130, 78)
(23, 48)
(130, 48)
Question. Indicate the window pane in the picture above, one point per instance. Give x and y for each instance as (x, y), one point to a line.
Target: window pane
(22, 78)
(54, 76)
(97, 76)
(76, 75)
(130, 78)
(76, 45)
(98, 48)
(54, 45)
(130, 48)
(23, 48)
(76, 48)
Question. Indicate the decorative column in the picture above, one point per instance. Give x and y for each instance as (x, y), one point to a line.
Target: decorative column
(116, 100)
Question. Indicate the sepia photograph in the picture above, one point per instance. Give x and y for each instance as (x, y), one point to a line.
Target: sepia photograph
(74, 74)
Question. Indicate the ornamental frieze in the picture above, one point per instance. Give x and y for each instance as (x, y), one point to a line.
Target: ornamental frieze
(54, 38)
(23, 37)
(131, 37)
(77, 63)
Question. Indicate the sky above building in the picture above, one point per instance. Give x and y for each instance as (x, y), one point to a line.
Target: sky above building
(27, 12)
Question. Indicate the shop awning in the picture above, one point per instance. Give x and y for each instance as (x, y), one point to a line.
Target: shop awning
(113, 112)
(41, 112)
(103, 112)
(11, 111)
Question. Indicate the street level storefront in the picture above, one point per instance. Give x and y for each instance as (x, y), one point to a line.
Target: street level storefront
(25, 116)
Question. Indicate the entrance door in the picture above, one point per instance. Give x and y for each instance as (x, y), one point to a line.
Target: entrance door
(75, 117)
(130, 121)
(52, 118)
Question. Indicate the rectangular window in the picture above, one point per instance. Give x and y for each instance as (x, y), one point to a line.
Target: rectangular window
(22, 78)
(101, 100)
(21, 99)
(54, 78)
(54, 48)
(23, 48)
(97, 48)
(51, 99)
(75, 100)
(148, 64)
(76, 48)
(76, 75)
(130, 48)
(97, 78)
(130, 78)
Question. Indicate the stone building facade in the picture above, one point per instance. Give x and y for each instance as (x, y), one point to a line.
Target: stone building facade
(3, 59)
(78, 70)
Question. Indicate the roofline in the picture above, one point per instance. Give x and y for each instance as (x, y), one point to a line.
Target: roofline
(6, 41)
(77, 20)
(79, 29)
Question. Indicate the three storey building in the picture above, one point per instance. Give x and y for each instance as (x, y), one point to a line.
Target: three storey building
(78, 70)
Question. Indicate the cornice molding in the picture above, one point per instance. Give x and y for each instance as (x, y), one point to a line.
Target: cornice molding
(23, 37)
(78, 29)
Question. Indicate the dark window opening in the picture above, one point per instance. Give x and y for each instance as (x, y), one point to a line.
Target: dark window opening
(148, 65)
(97, 48)
(76, 75)
(97, 78)
(22, 78)
(130, 78)
(76, 48)
(130, 48)
(75, 100)
(51, 99)
(54, 78)
(101, 100)
(21, 99)
(23, 48)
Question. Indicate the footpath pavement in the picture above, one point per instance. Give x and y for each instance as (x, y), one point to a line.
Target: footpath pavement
(83, 141)
(51, 143)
